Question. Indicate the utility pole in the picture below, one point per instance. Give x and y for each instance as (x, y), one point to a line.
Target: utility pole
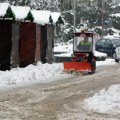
(74, 9)
(102, 20)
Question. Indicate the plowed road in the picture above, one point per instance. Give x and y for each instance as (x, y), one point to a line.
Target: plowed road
(60, 100)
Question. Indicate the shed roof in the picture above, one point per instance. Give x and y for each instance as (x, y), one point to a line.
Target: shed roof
(20, 13)
(41, 17)
(55, 16)
(3, 9)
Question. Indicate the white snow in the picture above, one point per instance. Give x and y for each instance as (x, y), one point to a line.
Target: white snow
(3, 9)
(100, 54)
(39, 73)
(42, 73)
(116, 15)
(41, 17)
(106, 101)
(32, 74)
(55, 16)
(20, 12)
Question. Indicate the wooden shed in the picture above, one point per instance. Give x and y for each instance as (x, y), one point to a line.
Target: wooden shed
(25, 33)
(25, 38)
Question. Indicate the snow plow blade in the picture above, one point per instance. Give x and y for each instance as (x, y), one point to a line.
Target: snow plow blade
(81, 66)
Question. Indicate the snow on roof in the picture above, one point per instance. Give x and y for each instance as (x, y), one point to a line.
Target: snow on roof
(41, 17)
(55, 16)
(3, 9)
(20, 12)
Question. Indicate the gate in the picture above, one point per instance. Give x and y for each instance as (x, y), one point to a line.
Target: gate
(5, 44)
(27, 43)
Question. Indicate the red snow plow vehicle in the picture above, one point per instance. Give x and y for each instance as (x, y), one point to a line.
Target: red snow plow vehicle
(83, 53)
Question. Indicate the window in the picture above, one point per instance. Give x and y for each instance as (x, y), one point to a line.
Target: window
(101, 42)
(108, 43)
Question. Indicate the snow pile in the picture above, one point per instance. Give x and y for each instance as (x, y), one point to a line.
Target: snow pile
(103, 102)
(100, 54)
(107, 102)
(40, 73)
(105, 63)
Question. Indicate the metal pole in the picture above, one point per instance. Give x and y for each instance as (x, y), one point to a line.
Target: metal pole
(102, 21)
(74, 9)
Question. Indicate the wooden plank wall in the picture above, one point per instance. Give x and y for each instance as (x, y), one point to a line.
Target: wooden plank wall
(24, 43)
(43, 43)
(50, 44)
(38, 44)
(15, 45)
(5, 44)
(27, 43)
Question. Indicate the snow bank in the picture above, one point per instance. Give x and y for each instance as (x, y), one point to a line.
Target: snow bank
(107, 102)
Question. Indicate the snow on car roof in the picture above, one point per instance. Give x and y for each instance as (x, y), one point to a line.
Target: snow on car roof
(112, 37)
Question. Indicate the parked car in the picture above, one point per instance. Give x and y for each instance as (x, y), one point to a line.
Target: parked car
(110, 46)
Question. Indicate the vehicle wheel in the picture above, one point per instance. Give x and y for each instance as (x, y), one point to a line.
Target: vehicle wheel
(93, 66)
(115, 57)
(116, 60)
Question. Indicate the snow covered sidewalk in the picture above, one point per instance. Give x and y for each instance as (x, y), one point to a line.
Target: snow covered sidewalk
(40, 73)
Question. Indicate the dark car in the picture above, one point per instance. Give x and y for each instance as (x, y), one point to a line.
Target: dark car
(108, 46)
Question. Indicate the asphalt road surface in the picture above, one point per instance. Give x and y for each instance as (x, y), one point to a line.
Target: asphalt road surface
(60, 100)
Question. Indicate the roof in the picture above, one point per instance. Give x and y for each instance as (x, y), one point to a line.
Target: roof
(55, 16)
(41, 17)
(22, 13)
(3, 9)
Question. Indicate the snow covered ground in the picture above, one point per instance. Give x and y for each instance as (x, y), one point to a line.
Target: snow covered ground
(106, 101)
(39, 73)
(103, 102)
